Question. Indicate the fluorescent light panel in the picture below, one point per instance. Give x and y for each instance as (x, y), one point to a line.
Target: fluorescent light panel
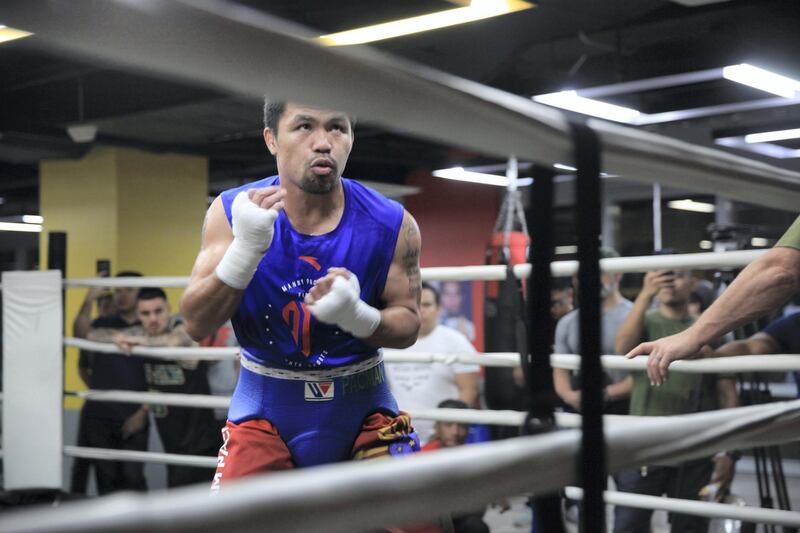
(570, 101)
(583, 100)
(16, 226)
(565, 250)
(11, 34)
(759, 241)
(459, 174)
(706, 245)
(691, 205)
(32, 219)
(770, 136)
(477, 10)
(762, 79)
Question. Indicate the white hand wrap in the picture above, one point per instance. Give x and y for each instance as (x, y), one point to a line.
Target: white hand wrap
(344, 307)
(252, 234)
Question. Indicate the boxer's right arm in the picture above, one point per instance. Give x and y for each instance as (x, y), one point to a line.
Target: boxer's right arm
(225, 264)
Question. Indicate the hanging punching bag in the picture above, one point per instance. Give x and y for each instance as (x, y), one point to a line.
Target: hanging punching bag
(504, 328)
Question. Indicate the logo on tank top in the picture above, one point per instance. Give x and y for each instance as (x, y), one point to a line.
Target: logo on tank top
(311, 261)
(318, 391)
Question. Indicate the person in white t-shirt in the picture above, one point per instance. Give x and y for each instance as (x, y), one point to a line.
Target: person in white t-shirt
(425, 385)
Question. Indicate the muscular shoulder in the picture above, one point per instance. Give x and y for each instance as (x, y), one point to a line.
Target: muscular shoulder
(373, 205)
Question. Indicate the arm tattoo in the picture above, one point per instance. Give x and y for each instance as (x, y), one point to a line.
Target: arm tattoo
(410, 259)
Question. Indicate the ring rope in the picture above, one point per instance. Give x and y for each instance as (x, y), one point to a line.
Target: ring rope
(746, 513)
(140, 457)
(739, 363)
(431, 484)
(150, 38)
(644, 263)
(172, 352)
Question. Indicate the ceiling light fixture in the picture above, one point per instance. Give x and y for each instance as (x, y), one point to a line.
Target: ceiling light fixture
(16, 226)
(759, 242)
(770, 136)
(706, 245)
(477, 10)
(570, 101)
(11, 34)
(459, 174)
(762, 79)
(692, 205)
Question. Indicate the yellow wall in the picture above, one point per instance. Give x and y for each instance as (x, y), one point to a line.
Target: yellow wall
(140, 210)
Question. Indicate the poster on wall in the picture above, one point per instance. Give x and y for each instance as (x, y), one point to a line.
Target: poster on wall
(461, 304)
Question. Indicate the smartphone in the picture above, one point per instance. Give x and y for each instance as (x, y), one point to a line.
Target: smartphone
(103, 268)
(105, 304)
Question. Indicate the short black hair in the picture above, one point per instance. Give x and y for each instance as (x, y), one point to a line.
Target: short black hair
(436, 296)
(272, 114)
(129, 274)
(273, 111)
(561, 283)
(452, 404)
(151, 293)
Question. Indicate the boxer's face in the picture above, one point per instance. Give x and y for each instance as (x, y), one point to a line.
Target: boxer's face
(311, 147)
(154, 315)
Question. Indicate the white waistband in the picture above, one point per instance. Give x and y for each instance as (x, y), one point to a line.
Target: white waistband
(311, 375)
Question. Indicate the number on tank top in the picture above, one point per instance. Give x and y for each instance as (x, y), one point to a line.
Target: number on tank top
(298, 318)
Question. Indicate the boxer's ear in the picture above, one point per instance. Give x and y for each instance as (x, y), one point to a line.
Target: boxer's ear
(271, 141)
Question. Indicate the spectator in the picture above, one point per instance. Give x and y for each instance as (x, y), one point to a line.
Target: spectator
(449, 435)
(424, 385)
(118, 426)
(567, 340)
(183, 430)
(562, 299)
(684, 393)
(452, 312)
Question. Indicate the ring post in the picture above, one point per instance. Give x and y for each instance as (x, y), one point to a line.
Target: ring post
(536, 363)
(33, 380)
(593, 469)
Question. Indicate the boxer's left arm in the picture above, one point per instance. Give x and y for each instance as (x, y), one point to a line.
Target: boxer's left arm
(397, 324)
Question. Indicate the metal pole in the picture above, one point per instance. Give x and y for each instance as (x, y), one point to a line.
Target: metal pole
(536, 362)
(657, 243)
(588, 217)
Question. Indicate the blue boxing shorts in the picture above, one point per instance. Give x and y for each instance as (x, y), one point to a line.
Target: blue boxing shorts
(322, 416)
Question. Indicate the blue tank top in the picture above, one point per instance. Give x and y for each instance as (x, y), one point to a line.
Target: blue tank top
(272, 323)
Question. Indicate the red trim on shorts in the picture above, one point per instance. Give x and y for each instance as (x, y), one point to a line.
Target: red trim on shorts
(251, 447)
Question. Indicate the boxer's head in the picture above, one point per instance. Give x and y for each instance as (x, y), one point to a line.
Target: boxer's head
(310, 145)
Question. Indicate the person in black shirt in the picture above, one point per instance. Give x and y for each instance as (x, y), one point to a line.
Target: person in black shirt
(183, 430)
(104, 424)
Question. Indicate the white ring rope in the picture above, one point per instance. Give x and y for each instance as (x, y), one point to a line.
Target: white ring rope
(742, 363)
(465, 416)
(757, 515)
(141, 457)
(213, 353)
(203, 401)
(431, 484)
(643, 263)
(152, 36)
